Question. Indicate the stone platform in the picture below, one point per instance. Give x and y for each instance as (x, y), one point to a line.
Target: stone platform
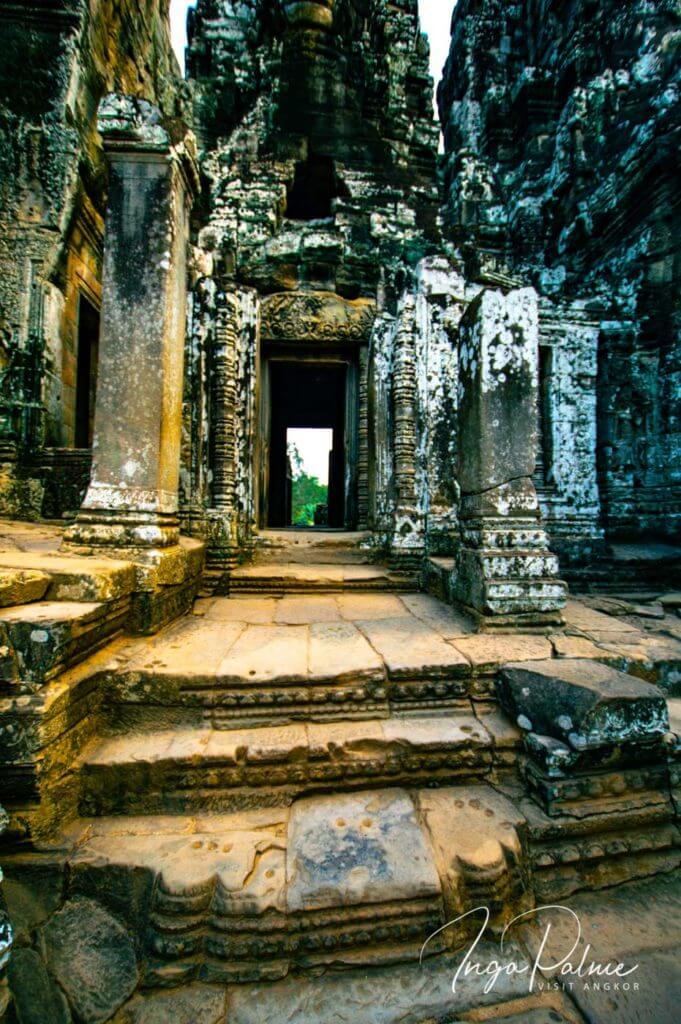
(283, 786)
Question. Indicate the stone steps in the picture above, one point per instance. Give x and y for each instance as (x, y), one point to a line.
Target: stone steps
(321, 578)
(315, 547)
(246, 661)
(74, 577)
(200, 770)
(339, 880)
(42, 639)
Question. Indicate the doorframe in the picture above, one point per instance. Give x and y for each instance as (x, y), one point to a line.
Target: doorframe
(301, 353)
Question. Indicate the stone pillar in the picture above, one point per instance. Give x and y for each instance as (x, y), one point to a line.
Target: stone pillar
(132, 500)
(504, 573)
(408, 541)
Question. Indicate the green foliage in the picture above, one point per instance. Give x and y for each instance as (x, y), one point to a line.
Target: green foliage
(307, 492)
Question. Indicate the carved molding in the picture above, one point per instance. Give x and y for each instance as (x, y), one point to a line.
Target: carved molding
(316, 317)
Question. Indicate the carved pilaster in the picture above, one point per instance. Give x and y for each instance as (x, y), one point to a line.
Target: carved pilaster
(224, 392)
(407, 544)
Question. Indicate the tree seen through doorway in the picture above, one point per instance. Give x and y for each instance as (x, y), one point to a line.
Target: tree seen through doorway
(309, 497)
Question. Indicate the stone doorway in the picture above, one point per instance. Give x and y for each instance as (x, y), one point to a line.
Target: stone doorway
(301, 392)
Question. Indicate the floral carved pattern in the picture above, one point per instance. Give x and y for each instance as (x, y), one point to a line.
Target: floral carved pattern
(316, 316)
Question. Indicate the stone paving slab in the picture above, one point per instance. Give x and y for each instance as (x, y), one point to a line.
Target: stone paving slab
(445, 620)
(295, 611)
(412, 650)
(356, 607)
(638, 925)
(267, 654)
(404, 994)
(486, 653)
(339, 652)
(75, 577)
(192, 647)
(588, 621)
(241, 609)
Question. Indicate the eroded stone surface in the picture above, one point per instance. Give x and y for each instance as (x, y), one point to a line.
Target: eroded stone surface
(412, 649)
(21, 586)
(37, 997)
(92, 957)
(195, 1004)
(360, 849)
(584, 703)
(397, 995)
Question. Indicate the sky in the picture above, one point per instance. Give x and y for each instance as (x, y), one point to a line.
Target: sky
(313, 447)
(435, 18)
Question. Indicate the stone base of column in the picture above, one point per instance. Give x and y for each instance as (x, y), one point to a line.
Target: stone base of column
(407, 549)
(100, 528)
(167, 577)
(504, 574)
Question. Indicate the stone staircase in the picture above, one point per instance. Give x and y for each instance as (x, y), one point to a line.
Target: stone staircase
(313, 561)
(289, 782)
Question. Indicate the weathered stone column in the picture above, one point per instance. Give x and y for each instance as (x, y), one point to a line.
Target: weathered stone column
(132, 500)
(504, 573)
(408, 541)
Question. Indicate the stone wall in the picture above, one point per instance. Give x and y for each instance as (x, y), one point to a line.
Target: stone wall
(59, 57)
(561, 124)
(319, 160)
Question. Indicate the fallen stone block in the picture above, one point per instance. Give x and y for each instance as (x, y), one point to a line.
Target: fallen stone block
(582, 703)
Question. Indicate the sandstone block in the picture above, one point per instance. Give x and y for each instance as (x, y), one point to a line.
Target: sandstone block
(583, 703)
(357, 849)
(92, 957)
(21, 586)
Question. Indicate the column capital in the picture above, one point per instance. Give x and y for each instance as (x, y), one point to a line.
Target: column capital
(134, 127)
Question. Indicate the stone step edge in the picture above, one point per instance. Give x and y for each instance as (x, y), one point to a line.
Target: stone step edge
(230, 746)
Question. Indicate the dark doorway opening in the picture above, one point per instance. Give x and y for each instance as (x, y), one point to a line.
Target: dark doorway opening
(86, 373)
(307, 396)
(313, 190)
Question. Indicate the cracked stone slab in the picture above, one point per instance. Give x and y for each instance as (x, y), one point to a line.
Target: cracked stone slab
(486, 653)
(583, 703)
(412, 650)
(267, 654)
(363, 848)
(447, 621)
(339, 652)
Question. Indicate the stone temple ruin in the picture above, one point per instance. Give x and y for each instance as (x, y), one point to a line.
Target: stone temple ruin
(250, 772)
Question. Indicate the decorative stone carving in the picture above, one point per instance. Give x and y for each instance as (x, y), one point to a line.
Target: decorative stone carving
(320, 317)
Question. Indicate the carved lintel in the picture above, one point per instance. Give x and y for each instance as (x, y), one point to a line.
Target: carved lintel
(316, 317)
